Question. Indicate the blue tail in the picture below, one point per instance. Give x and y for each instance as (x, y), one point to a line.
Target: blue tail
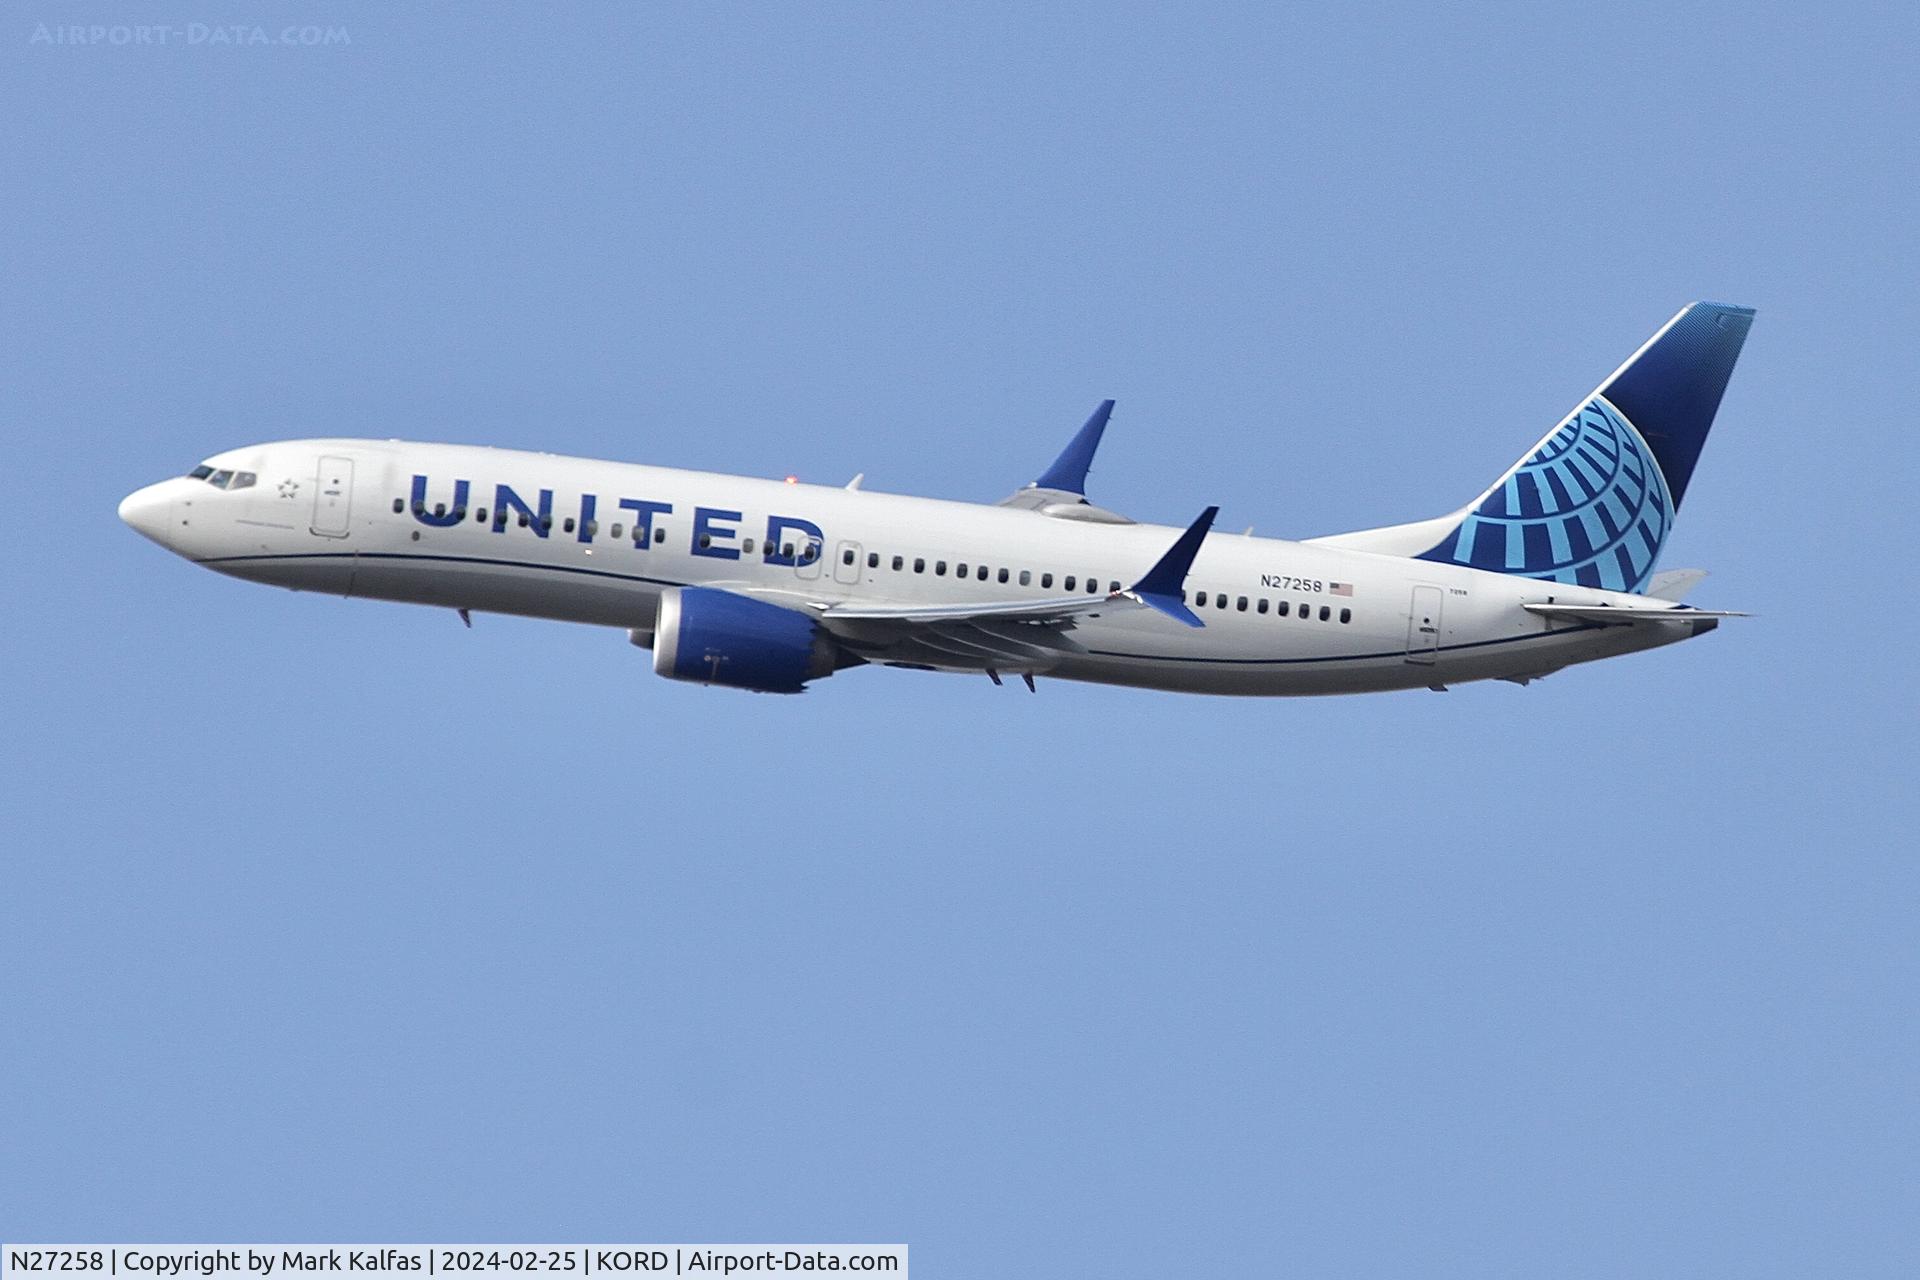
(1594, 502)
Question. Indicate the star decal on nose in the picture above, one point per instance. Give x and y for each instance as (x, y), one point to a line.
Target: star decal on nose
(289, 488)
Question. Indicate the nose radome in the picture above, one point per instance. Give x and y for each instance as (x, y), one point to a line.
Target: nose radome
(147, 510)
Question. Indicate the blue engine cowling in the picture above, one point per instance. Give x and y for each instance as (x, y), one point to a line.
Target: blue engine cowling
(717, 637)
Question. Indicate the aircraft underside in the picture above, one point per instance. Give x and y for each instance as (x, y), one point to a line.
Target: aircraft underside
(1090, 652)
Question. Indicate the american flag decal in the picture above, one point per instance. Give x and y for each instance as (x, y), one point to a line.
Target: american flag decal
(1340, 588)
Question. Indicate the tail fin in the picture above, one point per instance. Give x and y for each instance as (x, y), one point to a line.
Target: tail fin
(1594, 501)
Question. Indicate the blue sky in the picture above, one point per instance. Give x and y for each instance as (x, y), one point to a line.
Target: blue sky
(333, 920)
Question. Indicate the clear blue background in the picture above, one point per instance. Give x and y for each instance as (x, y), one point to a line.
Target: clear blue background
(333, 920)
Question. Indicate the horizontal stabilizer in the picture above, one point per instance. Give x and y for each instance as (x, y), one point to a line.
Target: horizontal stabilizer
(1675, 584)
(1610, 616)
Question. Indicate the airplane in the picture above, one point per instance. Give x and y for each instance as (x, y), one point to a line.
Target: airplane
(768, 585)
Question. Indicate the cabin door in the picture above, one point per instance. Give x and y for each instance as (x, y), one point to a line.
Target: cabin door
(1423, 626)
(333, 497)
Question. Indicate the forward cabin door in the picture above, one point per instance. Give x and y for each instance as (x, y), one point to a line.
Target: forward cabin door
(1423, 626)
(333, 497)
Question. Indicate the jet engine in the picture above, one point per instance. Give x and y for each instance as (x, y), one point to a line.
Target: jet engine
(717, 637)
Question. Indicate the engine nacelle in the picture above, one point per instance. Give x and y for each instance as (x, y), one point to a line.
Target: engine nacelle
(717, 637)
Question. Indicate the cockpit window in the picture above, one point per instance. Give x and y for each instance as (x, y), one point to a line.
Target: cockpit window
(224, 479)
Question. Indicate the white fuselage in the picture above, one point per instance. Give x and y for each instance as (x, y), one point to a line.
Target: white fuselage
(339, 516)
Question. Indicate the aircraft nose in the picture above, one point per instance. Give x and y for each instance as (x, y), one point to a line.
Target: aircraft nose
(147, 511)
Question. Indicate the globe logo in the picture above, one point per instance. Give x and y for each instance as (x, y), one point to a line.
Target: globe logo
(1589, 506)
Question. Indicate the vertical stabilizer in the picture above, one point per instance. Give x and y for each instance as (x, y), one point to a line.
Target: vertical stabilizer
(1594, 501)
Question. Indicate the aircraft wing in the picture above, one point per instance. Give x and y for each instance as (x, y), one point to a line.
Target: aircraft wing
(1036, 611)
(1061, 490)
(1019, 634)
(1608, 615)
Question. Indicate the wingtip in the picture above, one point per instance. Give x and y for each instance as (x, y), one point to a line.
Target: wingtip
(1068, 474)
(1172, 606)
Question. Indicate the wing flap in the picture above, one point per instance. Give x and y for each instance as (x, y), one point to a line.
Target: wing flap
(1052, 610)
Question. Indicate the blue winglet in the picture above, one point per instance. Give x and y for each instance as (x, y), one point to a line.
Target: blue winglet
(1069, 471)
(1160, 588)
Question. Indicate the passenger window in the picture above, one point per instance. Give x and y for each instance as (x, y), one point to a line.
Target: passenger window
(1113, 586)
(659, 536)
(940, 568)
(1242, 604)
(919, 564)
(786, 549)
(1046, 580)
(981, 573)
(524, 522)
(593, 528)
(960, 570)
(481, 515)
(1262, 606)
(899, 562)
(1026, 578)
(1219, 599)
(1346, 615)
(1093, 587)
(706, 539)
(746, 547)
(1003, 575)
(846, 557)
(873, 559)
(1071, 580)
(439, 510)
(399, 505)
(616, 530)
(1325, 613)
(1282, 608)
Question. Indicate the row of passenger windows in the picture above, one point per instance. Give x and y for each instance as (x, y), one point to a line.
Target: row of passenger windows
(1283, 609)
(1071, 583)
(224, 479)
(960, 569)
(980, 572)
(546, 523)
